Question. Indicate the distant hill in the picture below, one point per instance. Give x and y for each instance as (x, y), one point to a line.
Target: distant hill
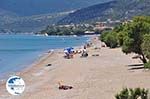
(115, 10)
(6, 16)
(29, 23)
(36, 7)
(33, 15)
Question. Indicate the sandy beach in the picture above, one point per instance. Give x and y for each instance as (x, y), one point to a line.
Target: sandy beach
(94, 77)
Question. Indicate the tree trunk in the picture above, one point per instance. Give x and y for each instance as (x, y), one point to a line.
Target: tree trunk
(143, 58)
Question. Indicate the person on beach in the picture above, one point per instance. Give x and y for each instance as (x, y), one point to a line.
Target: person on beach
(66, 54)
(69, 52)
(84, 52)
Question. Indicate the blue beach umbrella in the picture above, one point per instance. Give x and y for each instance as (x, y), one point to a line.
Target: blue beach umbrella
(69, 49)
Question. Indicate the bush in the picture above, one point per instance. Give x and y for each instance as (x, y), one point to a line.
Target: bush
(146, 45)
(103, 35)
(132, 94)
(110, 38)
(147, 65)
(124, 94)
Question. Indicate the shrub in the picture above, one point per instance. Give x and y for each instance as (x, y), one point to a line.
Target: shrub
(103, 36)
(132, 94)
(124, 94)
(146, 45)
(110, 38)
(121, 37)
(147, 65)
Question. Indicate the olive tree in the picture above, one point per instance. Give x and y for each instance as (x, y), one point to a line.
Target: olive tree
(146, 45)
(135, 34)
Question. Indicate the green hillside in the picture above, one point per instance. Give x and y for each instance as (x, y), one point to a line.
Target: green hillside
(33, 23)
(115, 10)
(33, 15)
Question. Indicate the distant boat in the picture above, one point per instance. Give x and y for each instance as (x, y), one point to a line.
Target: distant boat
(45, 34)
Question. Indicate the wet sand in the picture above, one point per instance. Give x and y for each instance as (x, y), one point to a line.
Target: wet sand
(94, 77)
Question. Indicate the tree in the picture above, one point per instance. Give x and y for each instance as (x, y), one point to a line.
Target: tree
(110, 39)
(103, 35)
(135, 33)
(146, 45)
(121, 36)
(132, 36)
(78, 31)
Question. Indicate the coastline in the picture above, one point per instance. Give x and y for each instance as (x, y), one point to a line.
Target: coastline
(42, 57)
(91, 77)
(28, 69)
(49, 53)
(39, 56)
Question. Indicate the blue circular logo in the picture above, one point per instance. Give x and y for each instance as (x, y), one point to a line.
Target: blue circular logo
(15, 85)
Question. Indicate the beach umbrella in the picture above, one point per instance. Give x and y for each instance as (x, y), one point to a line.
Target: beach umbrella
(69, 49)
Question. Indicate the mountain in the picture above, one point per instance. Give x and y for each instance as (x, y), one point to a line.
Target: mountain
(29, 23)
(36, 7)
(33, 15)
(6, 17)
(114, 10)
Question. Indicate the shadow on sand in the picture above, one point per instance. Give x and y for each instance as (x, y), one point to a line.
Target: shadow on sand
(135, 66)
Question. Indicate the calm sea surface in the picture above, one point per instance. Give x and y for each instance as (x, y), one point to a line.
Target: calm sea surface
(18, 51)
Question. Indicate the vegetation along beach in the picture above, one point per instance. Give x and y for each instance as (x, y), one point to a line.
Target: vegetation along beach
(83, 49)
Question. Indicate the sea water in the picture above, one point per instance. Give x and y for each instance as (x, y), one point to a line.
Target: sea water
(18, 51)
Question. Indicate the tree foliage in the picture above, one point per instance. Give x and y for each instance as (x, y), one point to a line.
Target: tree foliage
(133, 37)
(110, 39)
(147, 65)
(79, 29)
(132, 94)
(146, 45)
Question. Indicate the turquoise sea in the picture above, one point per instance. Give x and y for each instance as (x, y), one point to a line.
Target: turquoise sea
(18, 51)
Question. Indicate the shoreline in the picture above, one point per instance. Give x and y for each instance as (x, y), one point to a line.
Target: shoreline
(92, 77)
(40, 56)
(43, 56)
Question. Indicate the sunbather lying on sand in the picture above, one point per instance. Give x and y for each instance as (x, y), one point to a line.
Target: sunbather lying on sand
(64, 87)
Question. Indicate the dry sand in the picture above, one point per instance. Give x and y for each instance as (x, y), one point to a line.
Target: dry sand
(94, 77)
